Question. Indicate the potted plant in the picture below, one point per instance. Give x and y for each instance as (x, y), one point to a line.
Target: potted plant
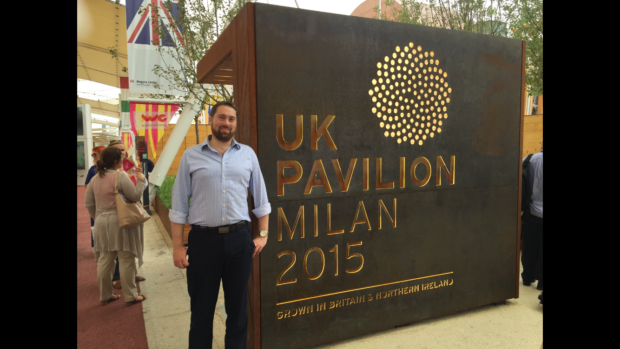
(163, 204)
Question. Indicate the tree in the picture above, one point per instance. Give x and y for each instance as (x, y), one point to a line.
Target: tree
(491, 17)
(477, 16)
(201, 23)
(527, 24)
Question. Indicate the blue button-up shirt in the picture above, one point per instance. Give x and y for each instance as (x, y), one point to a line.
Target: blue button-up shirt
(535, 172)
(218, 186)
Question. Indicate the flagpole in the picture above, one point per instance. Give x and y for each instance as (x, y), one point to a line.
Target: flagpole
(154, 100)
(174, 143)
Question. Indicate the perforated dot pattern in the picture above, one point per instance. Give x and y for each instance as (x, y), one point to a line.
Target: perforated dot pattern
(416, 83)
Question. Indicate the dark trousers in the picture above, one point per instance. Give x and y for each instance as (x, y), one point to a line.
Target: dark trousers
(215, 256)
(92, 240)
(531, 256)
(117, 274)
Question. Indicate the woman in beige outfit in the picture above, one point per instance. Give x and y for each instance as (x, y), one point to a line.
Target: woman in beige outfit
(110, 240)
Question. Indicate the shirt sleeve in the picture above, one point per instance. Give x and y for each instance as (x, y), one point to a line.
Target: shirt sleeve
(181, 192)
(131, 192)
(258, 190)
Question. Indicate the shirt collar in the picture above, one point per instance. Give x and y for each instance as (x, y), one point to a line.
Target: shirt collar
(206, 143)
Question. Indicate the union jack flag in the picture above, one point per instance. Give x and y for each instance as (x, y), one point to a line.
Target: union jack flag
(141, 28)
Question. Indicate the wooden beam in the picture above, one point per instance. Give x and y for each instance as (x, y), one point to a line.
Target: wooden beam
(217, 54)
(231, 60)
(520, 166)
(103, 122)
(101, 108)
(243, 59)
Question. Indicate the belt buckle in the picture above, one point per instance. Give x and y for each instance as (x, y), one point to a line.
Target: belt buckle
(222, 229)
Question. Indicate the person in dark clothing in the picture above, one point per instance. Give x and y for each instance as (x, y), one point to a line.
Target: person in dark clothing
(148, 164)
(531, 256)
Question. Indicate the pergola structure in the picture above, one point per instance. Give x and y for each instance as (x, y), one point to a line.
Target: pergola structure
(318, 93)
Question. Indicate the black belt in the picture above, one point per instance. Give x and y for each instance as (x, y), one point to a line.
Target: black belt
(221, 229)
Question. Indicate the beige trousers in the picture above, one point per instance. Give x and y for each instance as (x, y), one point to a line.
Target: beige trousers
(105, 270)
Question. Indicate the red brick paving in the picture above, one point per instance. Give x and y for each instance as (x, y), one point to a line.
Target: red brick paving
(114, 325)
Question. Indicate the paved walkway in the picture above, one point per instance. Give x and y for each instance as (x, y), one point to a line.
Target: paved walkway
(516, 324)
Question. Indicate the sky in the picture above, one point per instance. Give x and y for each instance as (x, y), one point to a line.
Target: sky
(96, 91)
(342, 7)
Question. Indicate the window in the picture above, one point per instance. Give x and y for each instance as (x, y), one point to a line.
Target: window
(81, 159)
(80, 122)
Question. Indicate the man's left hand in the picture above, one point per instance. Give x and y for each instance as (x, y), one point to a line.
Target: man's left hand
(260, 242)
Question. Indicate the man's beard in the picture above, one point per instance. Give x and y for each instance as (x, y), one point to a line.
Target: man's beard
(222, 137)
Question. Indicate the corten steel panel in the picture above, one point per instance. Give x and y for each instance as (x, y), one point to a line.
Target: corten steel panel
(460, 237)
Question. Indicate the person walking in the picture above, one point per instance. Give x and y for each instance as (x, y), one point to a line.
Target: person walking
(116, 278)
(92, 171)
(531, 256)
(110, 240)
(217, 175)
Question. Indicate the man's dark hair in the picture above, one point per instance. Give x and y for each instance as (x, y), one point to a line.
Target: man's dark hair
(228, 104)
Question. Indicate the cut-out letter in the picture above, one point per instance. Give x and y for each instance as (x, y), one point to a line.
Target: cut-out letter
(365, 174)
(378, 177)
(300, 217)
(316, 134)
(382, 207)
(329, 222)
(360, 205)
(402, 172)
(344, 182)
(441, 166)
(299, 132)
(427, 177)
(313, 182)
(281, 179)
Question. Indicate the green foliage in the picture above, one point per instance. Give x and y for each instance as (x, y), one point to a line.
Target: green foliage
(527, 25)
(409, 14)
(114, 53)
(165, 191)
(476, 16)
(520, 19)
(201, 25)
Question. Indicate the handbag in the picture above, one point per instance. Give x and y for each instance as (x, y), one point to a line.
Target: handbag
(130, 214)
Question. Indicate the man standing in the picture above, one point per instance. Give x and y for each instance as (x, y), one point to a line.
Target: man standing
(531, 256)
(217, 175)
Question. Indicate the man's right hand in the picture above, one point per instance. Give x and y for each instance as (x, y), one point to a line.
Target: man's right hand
(179, 256)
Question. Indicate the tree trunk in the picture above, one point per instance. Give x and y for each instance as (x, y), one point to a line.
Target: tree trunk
(197, 132)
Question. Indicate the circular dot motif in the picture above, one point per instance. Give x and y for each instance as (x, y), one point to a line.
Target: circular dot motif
(428, 84)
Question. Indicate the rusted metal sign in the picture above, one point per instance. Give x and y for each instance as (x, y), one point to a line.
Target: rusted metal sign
(390, 153)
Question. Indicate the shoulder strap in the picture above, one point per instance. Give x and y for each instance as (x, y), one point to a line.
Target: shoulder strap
(116, 183)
